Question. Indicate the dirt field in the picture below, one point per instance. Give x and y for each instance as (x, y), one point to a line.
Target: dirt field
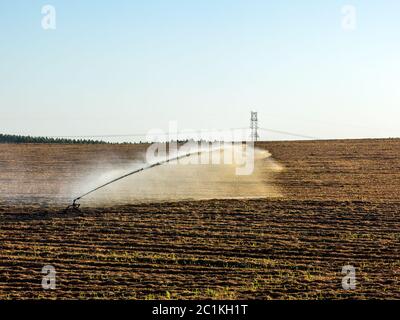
(331, 204)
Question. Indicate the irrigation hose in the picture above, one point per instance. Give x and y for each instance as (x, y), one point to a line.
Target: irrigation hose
(75, 206)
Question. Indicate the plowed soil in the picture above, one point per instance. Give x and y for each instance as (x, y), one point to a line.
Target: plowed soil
(337, 203)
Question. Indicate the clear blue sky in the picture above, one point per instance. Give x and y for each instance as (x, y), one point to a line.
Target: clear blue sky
(129, 66)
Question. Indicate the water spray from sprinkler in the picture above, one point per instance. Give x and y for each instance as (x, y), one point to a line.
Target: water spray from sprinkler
(75, 206)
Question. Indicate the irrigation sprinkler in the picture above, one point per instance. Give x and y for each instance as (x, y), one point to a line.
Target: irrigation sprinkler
(75, 206)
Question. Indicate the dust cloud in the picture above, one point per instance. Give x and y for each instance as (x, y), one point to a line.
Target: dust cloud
(188, 179)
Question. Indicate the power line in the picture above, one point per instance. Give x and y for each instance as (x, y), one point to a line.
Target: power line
(290, 133)
(147, 134)
(180, 133)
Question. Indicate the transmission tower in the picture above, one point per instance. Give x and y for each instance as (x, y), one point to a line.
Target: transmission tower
(254, 126)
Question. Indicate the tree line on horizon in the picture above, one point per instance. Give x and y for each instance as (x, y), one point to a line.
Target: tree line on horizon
(10, 138)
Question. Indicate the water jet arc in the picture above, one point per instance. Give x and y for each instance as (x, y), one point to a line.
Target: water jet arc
(75, 206)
